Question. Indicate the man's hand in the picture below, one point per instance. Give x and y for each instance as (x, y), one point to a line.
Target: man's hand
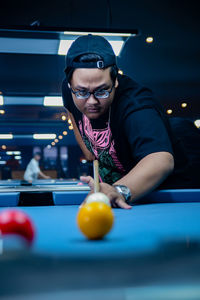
(116, 199)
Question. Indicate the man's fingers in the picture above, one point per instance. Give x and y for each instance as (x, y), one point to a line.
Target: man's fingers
(89, 180)
(116, 201)
(121, 203)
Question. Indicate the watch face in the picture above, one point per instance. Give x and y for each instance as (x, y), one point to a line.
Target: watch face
(124, 190)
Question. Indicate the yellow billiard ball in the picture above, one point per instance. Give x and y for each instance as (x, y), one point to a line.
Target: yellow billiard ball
(95, 220)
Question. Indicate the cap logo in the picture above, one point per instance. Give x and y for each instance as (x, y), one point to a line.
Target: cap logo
(100, 64)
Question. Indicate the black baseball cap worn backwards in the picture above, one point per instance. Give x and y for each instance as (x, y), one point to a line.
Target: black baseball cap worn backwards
(90, 44)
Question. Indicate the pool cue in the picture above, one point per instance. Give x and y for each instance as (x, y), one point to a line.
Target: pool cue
(96, 176)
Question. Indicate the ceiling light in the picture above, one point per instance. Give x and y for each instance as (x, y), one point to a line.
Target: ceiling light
(60, 137)
(9, 152)
(116, 39)
(114, 34)
(71, 127)
(45, 136)
(65, 45)
(28, 45)
(2, 112)
(56, 140)
(3, 147)
(149, 39)
(6, 136)
(17, 152)
(64, 132)
(84, 161)
(197, 123)
(117, 46)
(64, 117)
(183, 105)
(1, 100)
(53, 144)
(18, 157)
(169, 111)
(53, 101)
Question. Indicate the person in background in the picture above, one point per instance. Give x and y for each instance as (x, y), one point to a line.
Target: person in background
(33, 171)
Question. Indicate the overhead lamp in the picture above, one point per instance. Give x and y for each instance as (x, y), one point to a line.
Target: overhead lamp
(64, 132)
(109, 34)
(60, 137)
(149, 39)
(84, 161)
(64, 118)
(116, 39)
(27, 45)
(53, 101)
(53, 143)
(9, 152)
(44, 136)
(6, 136)
(1, 100)
(56, 141)
(17, 152)
(18, 157)
(184, 105)
(65, 45)
(2, 111)
(197, 123)
(3, 147)
(169, 111)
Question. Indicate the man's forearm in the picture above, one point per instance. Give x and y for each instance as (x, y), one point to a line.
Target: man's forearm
(41, 174)
(148, 174)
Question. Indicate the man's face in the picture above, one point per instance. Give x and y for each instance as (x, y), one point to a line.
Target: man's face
(92, 80)
(37, 157)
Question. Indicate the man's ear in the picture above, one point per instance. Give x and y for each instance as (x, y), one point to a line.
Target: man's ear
(116, 83)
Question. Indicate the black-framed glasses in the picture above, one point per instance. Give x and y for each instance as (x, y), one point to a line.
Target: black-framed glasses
(99, 94)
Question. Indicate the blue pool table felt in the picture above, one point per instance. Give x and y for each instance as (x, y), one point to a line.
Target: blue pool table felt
(143, 229)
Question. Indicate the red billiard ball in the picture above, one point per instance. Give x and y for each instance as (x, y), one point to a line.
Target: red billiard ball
(13, 221)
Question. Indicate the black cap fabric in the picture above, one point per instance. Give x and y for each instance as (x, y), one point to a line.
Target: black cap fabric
(93, 44)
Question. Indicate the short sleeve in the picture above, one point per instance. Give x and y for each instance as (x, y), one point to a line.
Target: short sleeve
(146, 133)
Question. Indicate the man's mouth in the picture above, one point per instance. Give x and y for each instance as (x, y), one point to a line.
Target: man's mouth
(93, 109)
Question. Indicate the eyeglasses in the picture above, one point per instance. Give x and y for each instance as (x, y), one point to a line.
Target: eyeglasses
(101, 94)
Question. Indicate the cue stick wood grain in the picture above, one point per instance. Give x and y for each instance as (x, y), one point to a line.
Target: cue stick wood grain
(96, 176)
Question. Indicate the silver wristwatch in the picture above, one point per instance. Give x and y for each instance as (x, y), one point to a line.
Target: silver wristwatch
(124, 191)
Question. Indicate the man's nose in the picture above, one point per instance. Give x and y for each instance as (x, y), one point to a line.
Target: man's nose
(92, 100)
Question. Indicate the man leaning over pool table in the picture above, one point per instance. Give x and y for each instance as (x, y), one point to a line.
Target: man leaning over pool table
(116, 121)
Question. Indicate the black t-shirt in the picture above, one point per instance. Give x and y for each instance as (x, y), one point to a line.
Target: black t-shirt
(134, 127)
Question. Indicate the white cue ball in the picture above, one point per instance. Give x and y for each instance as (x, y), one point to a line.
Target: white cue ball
(98, 197)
